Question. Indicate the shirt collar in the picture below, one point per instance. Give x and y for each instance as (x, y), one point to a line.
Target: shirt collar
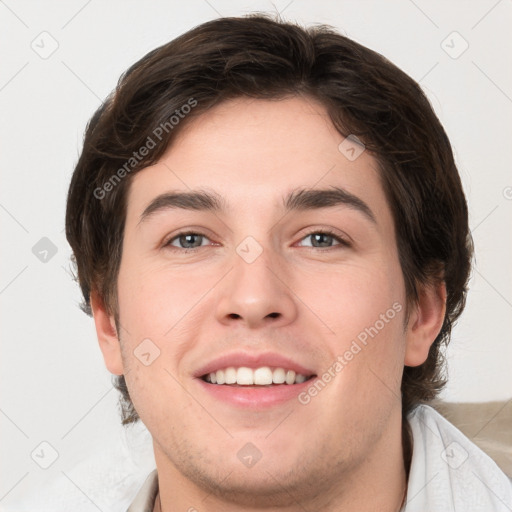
(145, 499)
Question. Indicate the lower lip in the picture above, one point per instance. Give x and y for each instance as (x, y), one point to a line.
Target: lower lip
(255, 396)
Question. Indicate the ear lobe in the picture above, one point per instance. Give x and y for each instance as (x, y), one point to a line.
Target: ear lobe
(107, 335)
(425, 323)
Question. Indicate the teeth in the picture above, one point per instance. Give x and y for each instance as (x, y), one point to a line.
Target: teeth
(244, 376)
(279, 376)
(290, 377)
(263, 376)
(230, 374)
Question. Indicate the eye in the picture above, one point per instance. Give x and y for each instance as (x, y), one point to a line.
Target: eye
(189, 241)
(186, 241)
(324, 239)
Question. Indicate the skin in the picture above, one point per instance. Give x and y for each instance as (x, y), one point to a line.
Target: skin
(341, 451)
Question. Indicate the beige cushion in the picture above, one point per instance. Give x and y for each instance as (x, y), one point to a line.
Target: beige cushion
(487, 424)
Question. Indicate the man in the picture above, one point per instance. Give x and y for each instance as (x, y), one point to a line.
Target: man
(272, 237)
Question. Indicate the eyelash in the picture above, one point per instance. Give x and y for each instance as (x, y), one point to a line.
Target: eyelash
(342, 241)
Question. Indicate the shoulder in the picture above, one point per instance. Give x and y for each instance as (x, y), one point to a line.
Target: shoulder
(449, 472)
(108, 479)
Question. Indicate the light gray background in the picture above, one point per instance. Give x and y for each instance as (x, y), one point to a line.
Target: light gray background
(55, 387)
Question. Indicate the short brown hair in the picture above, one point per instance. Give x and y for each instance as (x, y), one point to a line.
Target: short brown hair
(259, 57)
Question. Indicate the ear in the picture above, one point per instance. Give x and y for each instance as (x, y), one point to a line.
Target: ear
(425, 323)
(107, 335)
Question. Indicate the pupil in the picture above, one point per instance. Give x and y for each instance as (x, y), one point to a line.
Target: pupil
(321, 238)
(185, 239)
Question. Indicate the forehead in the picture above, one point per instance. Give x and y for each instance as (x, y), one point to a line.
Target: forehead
(253, 153)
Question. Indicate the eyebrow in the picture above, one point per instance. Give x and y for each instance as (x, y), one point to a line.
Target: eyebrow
(296, 200)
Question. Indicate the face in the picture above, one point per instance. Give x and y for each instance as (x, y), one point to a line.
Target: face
(288, 270)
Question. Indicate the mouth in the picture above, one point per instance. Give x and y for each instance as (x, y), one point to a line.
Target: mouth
(254, 381)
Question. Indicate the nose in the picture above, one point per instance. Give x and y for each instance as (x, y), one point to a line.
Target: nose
(256, 294)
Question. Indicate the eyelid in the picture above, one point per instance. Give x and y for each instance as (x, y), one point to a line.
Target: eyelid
(191, 231)
(343, 239)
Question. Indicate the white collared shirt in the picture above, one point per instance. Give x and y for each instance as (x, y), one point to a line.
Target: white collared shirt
(448, 474)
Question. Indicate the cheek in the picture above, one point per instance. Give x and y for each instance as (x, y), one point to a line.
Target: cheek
(364, 306)
(166, 307)
(355, 297)
(154, 299)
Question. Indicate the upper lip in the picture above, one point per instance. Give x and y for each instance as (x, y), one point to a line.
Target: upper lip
(248, 360)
